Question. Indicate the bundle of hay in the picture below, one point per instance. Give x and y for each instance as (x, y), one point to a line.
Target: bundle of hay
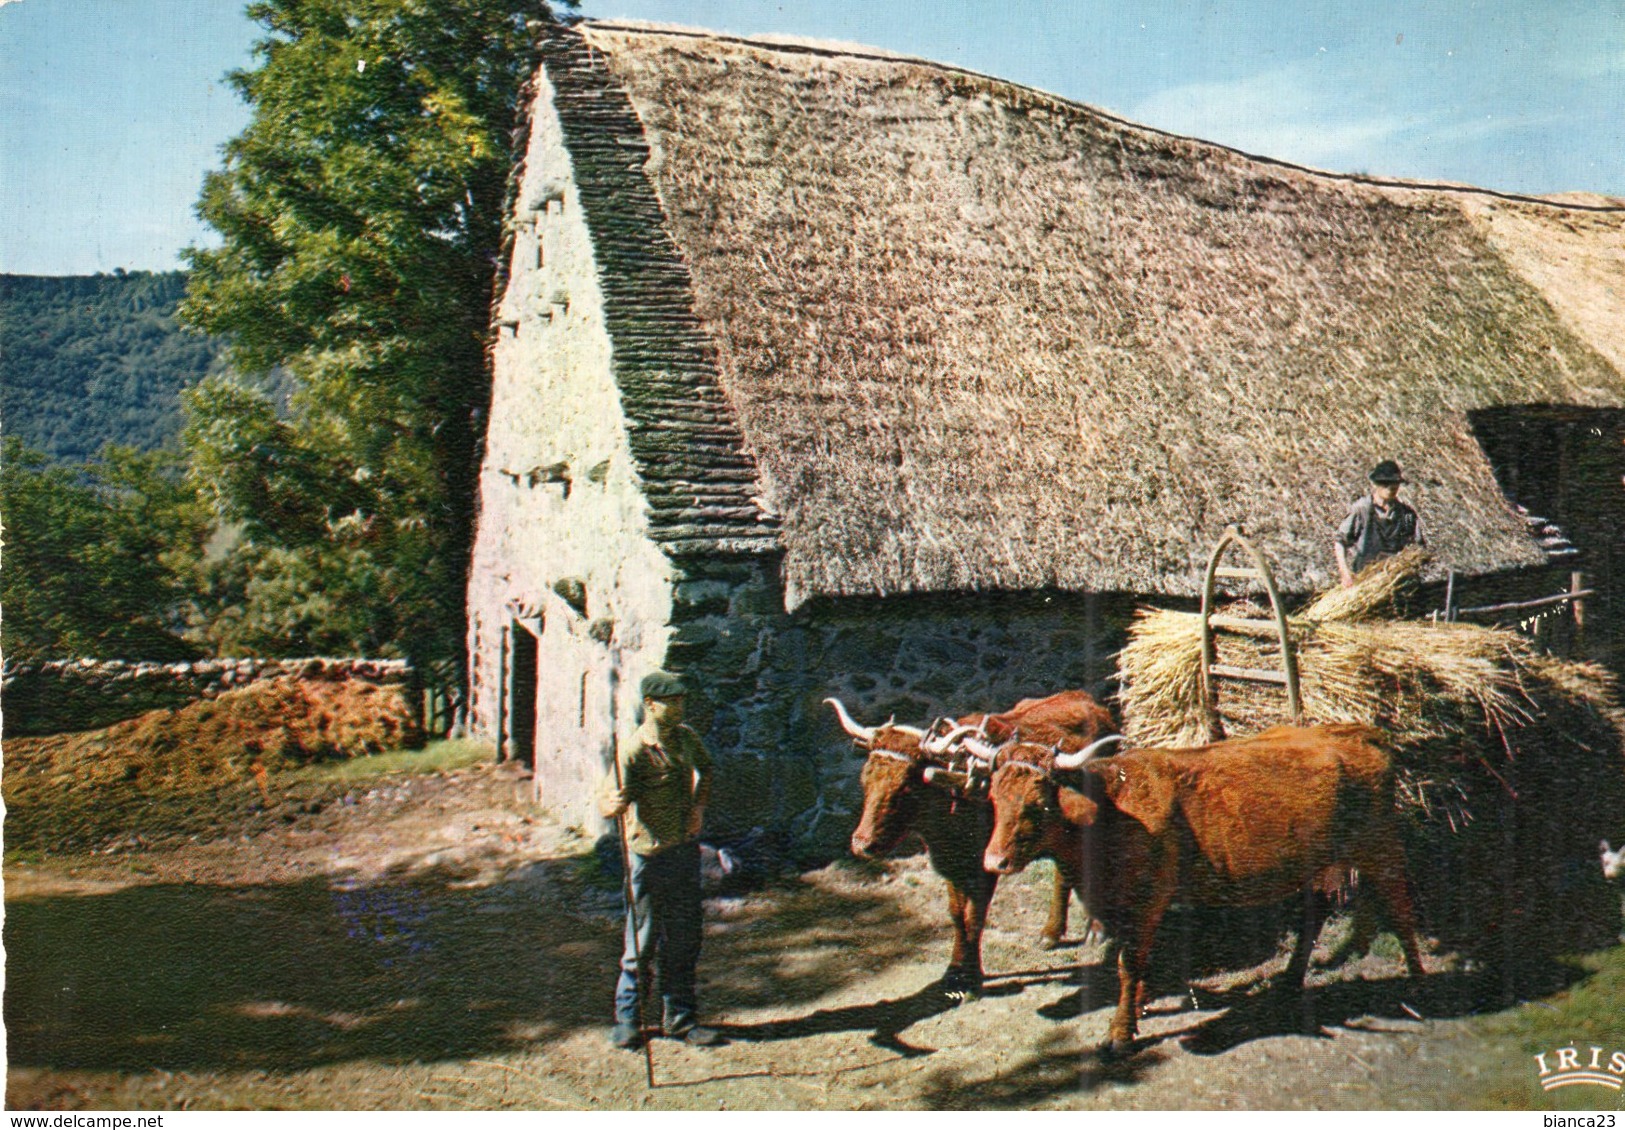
(1509, 762)
(1444, 691)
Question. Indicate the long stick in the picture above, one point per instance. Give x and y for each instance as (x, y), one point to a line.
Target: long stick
(637, 942)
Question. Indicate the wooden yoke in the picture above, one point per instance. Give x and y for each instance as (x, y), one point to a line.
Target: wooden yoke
(1212, 670)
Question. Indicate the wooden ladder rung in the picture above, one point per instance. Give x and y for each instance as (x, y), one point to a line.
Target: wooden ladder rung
(1251, 674)
(1241, 623)
(1233, 571)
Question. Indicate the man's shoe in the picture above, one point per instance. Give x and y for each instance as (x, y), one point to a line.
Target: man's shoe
(624, 1036)
(701, 1037)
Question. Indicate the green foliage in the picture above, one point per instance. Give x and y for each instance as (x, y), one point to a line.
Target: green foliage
(88, 360)
(99, 560)
(361, 214)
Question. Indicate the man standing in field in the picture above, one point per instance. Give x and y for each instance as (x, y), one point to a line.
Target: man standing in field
(1378, 525)
(660, 794)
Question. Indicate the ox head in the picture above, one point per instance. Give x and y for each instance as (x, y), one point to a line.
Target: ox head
(893, 775)
(1030, 806)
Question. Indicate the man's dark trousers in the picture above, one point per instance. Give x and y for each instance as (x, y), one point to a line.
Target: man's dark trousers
(666, 893)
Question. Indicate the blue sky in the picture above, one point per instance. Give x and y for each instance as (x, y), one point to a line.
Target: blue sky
(111, 110)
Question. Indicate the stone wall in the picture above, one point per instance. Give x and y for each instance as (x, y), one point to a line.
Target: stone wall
(761, 676)
(564, 528)
(86, 694)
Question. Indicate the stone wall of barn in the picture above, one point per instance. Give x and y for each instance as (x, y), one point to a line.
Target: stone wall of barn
(565, 581)
(610, 447)
(761, 677)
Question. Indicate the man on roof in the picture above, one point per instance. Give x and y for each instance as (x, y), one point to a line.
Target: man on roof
(660, 795)
(1378, 525)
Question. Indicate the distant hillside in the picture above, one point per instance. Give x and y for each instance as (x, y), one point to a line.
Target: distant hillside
(85, 359)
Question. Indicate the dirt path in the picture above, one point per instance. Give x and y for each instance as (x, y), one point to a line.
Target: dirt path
(433, 945)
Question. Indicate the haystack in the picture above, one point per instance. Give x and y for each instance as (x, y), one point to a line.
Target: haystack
(185, 769)
(1511, 764)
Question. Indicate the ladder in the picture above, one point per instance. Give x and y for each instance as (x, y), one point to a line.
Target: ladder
(1212, 669)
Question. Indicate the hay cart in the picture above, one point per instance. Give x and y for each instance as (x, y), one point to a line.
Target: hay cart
(1212, 670)
(1509, 761)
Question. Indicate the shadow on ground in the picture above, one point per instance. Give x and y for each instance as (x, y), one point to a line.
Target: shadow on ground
(1062, 1065)
(1278, 1009)
(886, 1020)
(291, 976)
(1055, 1068)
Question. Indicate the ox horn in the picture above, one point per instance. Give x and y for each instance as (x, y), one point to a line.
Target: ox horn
(936, 775)
(979, 749)
(942, 744)
(854, 731)
(1076, 760)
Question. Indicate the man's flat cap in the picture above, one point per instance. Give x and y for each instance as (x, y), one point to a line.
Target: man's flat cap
(1386, 472)
(661, 684)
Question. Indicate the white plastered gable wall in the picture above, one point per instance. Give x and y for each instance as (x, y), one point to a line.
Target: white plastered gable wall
(560, 501)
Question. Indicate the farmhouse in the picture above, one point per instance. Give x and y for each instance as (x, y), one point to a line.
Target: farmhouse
(819, 371)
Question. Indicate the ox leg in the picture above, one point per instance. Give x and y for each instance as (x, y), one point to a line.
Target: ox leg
(1362, 932)
(1297, 970)
(969, 914)
(1133, 962)
(1314, 915)
(1060, 901)
(1385, 870)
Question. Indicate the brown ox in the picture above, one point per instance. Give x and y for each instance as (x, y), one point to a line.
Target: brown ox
(1078, 717)
(1245, 822)
(898, 801)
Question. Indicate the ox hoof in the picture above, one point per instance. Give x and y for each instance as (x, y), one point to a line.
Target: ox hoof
(1049, 941)
(961, 984)
(1114, 1049)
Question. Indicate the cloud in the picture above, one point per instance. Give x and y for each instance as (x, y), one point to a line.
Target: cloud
(1297, 113)
(1600, 65)
(1545, 123)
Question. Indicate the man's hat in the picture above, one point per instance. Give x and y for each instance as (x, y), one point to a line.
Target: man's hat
(661, 684)
(1386, 472)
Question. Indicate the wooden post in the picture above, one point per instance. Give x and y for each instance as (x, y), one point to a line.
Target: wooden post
(1210, 691)
(415, 697)
(1449, 594)
(1091, 629)
(504, 748)
(1576, 587)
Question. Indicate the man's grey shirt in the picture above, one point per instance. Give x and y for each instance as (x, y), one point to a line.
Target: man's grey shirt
(1372, 535)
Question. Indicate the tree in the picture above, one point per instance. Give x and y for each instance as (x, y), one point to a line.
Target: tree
(361, 218)
(100, 559)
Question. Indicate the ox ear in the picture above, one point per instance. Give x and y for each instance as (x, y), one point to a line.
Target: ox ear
(1076, 808)
(1140, 789)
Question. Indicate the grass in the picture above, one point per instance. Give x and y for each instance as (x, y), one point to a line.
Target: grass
(1590, 1013)
(435, 757)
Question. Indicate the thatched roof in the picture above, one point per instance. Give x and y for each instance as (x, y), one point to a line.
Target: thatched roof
(979, 337)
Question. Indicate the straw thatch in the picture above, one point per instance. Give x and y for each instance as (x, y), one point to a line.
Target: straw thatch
(979, 337)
